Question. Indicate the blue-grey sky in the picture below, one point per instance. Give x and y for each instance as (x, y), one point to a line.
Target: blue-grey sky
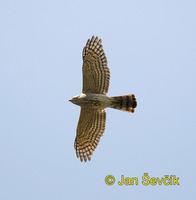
(151, 52)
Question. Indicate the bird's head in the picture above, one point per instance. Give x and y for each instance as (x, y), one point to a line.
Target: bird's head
(74, 98)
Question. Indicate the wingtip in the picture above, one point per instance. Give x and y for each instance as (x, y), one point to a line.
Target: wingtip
(93, 37)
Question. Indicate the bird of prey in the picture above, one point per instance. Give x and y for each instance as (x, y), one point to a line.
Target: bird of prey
(93, 99)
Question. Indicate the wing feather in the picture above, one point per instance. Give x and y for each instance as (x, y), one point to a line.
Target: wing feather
(91, 127)
(96, 74)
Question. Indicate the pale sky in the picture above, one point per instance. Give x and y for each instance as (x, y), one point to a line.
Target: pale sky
(151, 52)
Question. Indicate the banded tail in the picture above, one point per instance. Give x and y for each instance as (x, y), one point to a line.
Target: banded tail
(126, 102)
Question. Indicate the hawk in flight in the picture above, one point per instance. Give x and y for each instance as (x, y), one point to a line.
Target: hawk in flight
(93, 99)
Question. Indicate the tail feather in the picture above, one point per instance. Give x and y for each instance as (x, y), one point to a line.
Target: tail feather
(126, 102)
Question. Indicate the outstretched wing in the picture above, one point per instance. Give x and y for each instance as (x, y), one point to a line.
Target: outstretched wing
(96, 74)
(91, 127)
